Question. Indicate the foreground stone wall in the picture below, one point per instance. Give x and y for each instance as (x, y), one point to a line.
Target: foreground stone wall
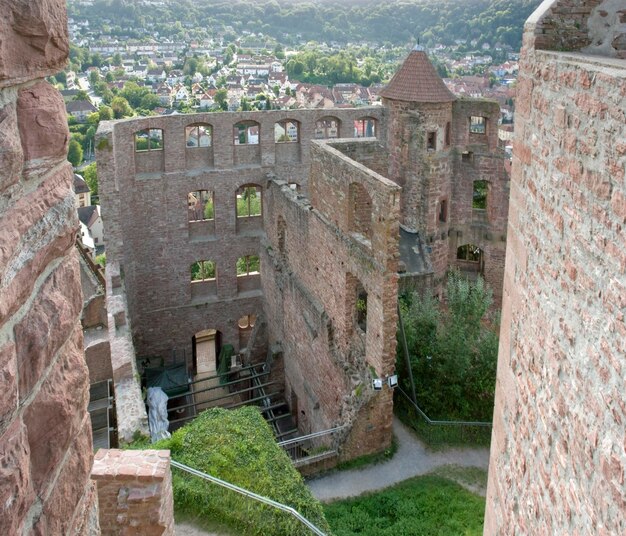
(45, 431)
(134, 492)
(558, 446)
(316, 256)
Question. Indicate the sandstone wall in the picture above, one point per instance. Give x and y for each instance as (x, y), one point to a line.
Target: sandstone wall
(45, 431)
(144, 200)
(314, 262)
(558, 446)
(134, 492)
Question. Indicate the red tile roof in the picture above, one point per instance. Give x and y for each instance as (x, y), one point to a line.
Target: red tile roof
(417, 81)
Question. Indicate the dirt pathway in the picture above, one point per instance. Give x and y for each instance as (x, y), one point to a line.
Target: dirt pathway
(411, 459)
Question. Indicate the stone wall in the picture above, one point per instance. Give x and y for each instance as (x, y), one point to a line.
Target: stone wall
(443, 170)
(315, 264)
(134, 492)
(45, 431)
(147, 227)
(558, 446)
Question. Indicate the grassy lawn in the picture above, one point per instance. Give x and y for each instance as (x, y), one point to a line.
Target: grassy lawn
(426, 505)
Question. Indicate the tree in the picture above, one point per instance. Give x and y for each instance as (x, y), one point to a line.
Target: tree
(81, 95)
(453, 350)
(75, 153)
(105, 113)
(117, 59)
(221, 97)
(90, 174)
(94, 78)
(120, 107)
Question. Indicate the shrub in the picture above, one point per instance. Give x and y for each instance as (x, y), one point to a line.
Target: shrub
(239, 447)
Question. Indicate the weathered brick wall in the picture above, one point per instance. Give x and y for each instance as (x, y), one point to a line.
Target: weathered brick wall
(558, 451)
(45, 431)
(146, 218)
(591, 26)
(134, 492)
(446, 172)
(310, 292)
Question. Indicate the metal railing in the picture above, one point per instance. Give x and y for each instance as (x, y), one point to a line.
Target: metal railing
(313, 447)
(251, 495)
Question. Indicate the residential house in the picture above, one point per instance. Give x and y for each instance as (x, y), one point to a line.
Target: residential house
(90, 217)
(80, 109)
(155, 75)
(81, 191)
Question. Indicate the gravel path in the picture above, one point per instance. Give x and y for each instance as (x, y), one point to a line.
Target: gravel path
(411, 459)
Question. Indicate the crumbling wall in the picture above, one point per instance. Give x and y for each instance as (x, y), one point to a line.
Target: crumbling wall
(314, 265)
(144, 200)
(558, 451)
(45, 431)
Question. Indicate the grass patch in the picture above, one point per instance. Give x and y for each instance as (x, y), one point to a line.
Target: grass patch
(238, 446)
(426, 505)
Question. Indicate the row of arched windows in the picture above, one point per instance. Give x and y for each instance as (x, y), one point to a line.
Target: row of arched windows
(201, 204)
(200, 135)
(206, 270)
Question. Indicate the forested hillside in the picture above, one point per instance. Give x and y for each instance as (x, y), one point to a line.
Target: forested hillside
(289, 21)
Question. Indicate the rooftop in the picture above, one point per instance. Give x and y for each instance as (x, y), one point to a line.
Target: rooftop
(417, 81)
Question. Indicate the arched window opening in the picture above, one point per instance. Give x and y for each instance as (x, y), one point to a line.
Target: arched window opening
(200, 205)
(281, 231)
(249, 201)
(197, 136)
(149, 139)
(480, 194)
(327, 128)
(246, 133)
(470, 259)
(365, 127)
(360, 210)
(287, 131)
(361, 307)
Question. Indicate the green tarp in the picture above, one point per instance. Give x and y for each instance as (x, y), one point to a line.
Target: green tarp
(224, 362)
(172, 379)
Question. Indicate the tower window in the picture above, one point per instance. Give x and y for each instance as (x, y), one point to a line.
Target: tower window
(431, 141)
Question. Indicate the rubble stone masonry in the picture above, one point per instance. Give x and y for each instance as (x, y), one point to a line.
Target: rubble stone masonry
(45, 431)
(558, 451)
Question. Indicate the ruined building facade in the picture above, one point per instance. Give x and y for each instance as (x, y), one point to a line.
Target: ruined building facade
(558, 450)
(194, 204)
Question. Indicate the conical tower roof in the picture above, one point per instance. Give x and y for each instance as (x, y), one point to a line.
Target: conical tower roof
(417, 81)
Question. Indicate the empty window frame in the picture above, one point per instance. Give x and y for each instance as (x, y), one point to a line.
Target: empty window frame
(431, 141)
(149, 139)
(365, 127)
(478, 125)
(203, 271)
(327, 128)
(248, 265)
(479, 194)
(197, 136)
(200, 205)
(469, 253)
(443, 211)
(246, 133)
(249, 201)
(448, 134)
(286, 131)
(361, 308)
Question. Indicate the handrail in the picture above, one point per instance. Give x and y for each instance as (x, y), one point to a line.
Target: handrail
(288, 442)
(250, 494)
(443, 423)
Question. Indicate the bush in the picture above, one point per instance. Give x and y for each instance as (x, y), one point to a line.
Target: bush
(239, 447)
(453, 351)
